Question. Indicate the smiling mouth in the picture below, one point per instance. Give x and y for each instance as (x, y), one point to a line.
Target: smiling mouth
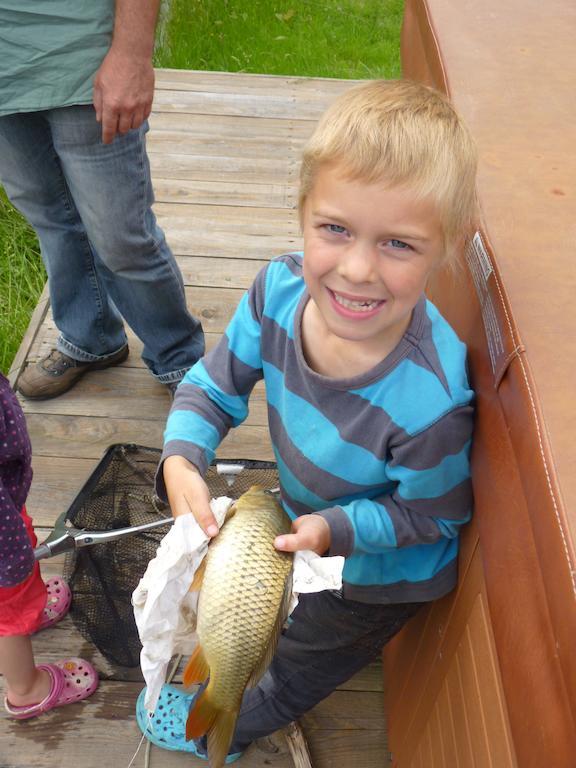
(361, 305)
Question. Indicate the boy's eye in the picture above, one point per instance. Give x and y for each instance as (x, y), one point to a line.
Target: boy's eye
(336, 229)
(398, 244)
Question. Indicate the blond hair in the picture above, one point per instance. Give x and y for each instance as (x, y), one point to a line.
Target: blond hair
(402, 134)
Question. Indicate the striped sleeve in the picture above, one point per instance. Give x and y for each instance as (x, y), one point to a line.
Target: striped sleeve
(213, 396)
(431, 498)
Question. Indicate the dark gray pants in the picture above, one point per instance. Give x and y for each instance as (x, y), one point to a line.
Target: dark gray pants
(327, 642)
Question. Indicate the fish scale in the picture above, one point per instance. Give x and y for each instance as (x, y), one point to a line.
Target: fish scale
(240, 609)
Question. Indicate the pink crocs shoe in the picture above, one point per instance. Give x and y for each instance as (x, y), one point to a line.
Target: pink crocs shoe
(57, 602)
(73, 679)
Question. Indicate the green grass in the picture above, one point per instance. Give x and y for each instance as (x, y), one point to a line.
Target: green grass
(314, 38)
(22, 278)
(320, 38)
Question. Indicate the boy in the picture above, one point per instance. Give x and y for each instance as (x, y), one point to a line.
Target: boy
(368, 402)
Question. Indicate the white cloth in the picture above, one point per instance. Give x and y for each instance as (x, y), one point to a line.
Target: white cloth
(165, 609)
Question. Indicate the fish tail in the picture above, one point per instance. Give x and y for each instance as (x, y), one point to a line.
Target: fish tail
(220, 737)
(197, 669)
(201, 716)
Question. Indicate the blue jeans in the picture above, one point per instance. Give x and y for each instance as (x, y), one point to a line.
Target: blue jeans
(105, 255)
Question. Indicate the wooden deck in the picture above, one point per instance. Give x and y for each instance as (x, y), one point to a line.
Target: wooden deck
(224, 151)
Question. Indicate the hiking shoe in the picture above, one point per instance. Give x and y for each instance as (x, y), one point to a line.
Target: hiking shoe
(57, 373)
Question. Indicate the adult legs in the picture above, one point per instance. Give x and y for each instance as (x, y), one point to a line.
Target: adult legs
(112, 190)
(32, 175)
(328, 641)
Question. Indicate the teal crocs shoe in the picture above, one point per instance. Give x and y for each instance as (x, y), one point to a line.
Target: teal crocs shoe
(166, 727)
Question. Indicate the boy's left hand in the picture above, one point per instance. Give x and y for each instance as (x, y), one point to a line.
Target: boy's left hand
(308, 532)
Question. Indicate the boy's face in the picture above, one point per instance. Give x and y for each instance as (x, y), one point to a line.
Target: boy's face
(368, 252)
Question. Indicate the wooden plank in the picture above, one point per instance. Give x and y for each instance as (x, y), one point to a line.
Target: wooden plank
(29, 338)
(263, 85)
(230, 128)
(203, 271)
(459, 716)
(114, 392)
(342, 749)
(490, 687)
(347, 711)
(213, 306)
(220, 192)
(473, 705)
(221, 241)
(46, 341)
(105, 724)
(264, 220)
(445, 622)
(297, 746)
(225, 243)
(368, 679)
(227, 218)
(417, 760)
(429, 755)
(279, 105)
(436, 739)
(446, 726)
(127, 393)
(217, 168)
(55, 485)
(88, 437)
(212, 144)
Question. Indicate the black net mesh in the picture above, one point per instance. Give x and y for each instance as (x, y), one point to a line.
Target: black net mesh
(119, 494)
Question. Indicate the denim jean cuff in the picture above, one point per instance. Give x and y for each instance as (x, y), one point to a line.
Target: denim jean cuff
(62, 345)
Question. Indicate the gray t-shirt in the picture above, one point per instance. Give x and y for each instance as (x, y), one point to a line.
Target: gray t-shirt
(50, 51)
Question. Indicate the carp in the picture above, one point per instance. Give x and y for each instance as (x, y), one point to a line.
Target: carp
(246, 586)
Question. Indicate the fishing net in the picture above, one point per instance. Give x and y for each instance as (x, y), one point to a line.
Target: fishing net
(120, 494)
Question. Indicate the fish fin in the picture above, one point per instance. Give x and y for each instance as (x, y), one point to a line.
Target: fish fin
(220, 737)
(270, 649)
(201, 570)
(197, 669)
(201, 716)
(230, 512)
(198, 577)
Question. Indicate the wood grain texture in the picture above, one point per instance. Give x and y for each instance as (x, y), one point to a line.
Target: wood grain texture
(453, 711)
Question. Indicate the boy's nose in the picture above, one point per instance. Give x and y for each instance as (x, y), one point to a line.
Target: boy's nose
(359, 263)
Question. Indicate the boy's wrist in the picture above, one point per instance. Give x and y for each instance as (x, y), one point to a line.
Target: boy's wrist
(175, 461)
(341, 531)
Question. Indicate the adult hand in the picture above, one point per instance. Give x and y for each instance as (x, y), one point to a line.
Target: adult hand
(188, 493)
(308, 532)
(123, 92)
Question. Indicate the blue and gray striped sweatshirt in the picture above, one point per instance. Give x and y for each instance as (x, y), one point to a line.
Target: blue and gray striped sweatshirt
(383, 457)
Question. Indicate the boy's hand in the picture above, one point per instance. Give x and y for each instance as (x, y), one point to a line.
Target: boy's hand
(308, 532)
(187, 492)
